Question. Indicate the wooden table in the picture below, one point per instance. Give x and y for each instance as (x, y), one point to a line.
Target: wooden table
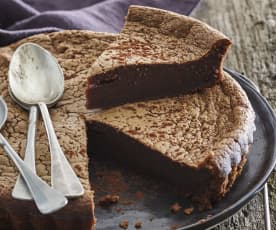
(251, 25)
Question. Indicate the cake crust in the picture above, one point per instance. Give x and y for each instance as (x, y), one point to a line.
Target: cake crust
(158, 53)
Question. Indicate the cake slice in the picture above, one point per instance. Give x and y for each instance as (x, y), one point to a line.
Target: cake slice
(157, 54)
(198, 141)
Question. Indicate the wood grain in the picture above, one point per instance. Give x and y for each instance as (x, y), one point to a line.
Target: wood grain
(251, 25)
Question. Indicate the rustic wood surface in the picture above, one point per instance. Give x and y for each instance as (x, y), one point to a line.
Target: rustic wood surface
(251, 25)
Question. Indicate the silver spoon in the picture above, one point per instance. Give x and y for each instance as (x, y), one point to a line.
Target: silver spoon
(35, 78)
(20, 190)
(46, 198)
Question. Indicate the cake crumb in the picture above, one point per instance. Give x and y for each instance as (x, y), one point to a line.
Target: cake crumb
(126, 202)
(138, 224)
(118, 210)
(124, 224)
(187, 195)
(188, 211)
(202, 221)
(139, 195)
(174, 227)
(108, 200)
(175, 208)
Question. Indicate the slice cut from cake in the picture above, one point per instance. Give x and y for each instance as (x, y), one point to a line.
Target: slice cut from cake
(198, 141)
(157, 54)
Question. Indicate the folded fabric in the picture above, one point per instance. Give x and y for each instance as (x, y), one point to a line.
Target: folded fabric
(22, 18)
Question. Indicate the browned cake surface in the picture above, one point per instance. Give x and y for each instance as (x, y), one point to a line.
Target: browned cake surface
(157, 38)
(75, 51)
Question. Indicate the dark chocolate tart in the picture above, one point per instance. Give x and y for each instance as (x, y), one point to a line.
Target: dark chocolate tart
(147, 200)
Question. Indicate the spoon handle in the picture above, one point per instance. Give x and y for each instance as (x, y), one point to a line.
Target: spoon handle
(20, 190)
(63, 176)
(46, 198)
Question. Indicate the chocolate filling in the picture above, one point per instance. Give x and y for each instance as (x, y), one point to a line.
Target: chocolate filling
(132, 83)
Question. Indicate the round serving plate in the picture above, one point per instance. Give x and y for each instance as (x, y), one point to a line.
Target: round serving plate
(148, 200)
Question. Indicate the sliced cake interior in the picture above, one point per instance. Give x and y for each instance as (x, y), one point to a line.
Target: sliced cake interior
(197, 141)
(157, 54)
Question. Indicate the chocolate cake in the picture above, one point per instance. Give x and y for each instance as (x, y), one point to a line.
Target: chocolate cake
(157, 54)
(205, 134)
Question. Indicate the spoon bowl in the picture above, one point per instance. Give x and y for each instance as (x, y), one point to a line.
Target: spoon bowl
(23, 105)
(35, 76)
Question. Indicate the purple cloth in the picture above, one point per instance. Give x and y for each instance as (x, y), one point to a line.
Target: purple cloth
(22, 18)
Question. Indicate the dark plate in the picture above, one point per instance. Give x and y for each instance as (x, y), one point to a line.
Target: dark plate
(148, 200)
